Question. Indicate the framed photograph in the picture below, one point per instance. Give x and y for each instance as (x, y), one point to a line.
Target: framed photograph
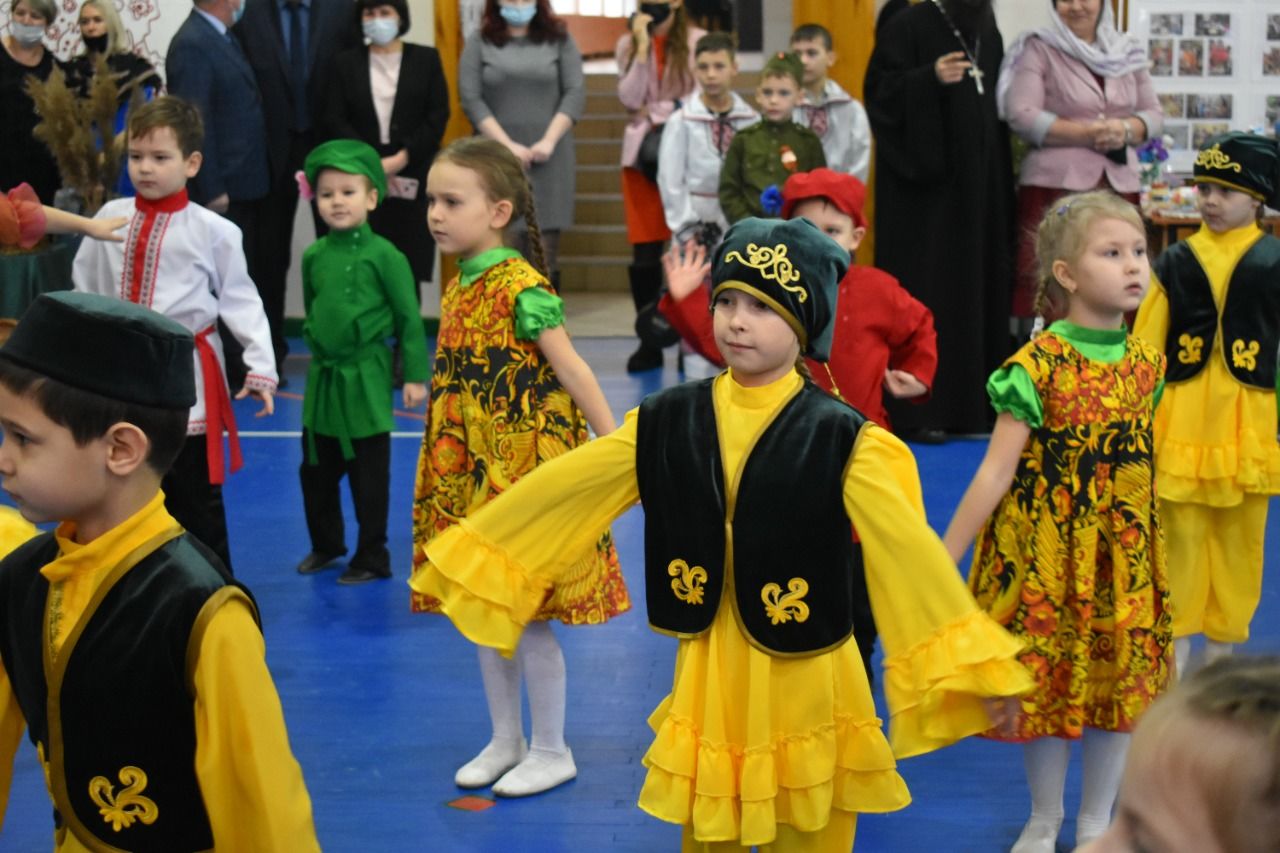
(1209, 106)
(1168, 25)
(1173, 104)
(1202, 130)
(1271, 62)
(1213, 25)
(1179, 133)
(1273, 27)
(1190, 58)
(1219, 58)
(1161, 53)
(1273, 109)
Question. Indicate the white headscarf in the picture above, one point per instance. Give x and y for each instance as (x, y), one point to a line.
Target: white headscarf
(1112, 54)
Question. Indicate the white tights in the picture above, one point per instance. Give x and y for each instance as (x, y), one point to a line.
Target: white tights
(1046, 763)
(541, 662)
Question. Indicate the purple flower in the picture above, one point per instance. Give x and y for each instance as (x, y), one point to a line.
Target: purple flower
(1152, 151)
(771, 200)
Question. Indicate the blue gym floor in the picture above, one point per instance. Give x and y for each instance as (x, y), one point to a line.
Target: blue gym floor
(383, 705)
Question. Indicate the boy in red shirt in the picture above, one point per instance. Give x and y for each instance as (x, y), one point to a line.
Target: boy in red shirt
(883, 337)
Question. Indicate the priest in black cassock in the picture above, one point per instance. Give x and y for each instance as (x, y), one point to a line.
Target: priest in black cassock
(945, 197)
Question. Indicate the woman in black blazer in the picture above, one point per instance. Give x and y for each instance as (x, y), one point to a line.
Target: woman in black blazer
(393, 95)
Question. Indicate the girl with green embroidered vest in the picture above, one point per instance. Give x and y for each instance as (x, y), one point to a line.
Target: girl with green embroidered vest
(1215, 311)
(508, 393)
(750, 481)
(1069, 555)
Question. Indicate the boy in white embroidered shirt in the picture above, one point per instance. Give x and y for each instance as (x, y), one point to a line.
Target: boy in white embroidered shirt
(187, 263)
(828, 110)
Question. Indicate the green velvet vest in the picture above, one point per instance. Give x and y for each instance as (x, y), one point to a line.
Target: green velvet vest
(1250, 320)
(786, 534)
(121, 718)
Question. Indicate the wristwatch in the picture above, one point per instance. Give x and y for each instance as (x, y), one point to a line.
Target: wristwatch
(1128, 132)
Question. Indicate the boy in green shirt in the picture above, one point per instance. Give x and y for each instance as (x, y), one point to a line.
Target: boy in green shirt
(763, 155)
(358, 291)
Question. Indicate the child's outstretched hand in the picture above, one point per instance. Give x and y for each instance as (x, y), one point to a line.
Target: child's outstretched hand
(685, 268)
(902, 385)
(107, 230)
(267, 398)
(415, 394)
(1003, 711)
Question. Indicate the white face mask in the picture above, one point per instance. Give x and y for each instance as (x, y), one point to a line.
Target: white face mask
(381, 31)
(27, 35)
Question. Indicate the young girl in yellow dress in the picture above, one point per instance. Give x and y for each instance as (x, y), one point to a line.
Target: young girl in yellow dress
(1070, 556)
(750, 481)
(1215, 312)
(508, 392)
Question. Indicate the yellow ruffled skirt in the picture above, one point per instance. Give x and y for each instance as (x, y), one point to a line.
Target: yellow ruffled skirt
(746, 741)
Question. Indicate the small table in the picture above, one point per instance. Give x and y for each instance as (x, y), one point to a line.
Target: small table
(26, 275)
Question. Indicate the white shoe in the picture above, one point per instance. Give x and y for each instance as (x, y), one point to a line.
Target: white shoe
(498, 756)
(1040, 835)
(540, 771)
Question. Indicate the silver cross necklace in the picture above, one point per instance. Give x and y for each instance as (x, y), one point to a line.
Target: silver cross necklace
(974, 71)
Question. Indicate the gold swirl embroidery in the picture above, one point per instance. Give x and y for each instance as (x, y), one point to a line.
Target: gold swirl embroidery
(1191, 347)
(783, 608)
(1215, 158)
(1242, 356)
(688, 581)
(121, 810)
(773, 264)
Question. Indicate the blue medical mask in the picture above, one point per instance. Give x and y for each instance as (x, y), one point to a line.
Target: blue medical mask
(381, 31)
(518, 16)
(27, 34)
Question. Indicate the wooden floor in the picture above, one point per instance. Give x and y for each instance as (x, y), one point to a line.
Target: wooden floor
(383, 705)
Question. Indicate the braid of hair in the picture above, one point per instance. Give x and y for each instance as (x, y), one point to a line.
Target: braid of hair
(802, 367)
(536, 248)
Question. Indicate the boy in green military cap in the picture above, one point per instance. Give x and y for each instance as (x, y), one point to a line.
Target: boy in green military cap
(358, 291)
(132, 657)
(1214, 310)
(762, 156)
(750, 482)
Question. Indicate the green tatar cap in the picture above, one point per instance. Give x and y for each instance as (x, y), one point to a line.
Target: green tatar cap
(792, 267)
(108, 346)
(347, 155)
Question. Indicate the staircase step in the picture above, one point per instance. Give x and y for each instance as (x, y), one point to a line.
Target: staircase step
(597, 152)
(598, 209)
(595, 241)
(598, 178)
(600, 274)
(600, 125)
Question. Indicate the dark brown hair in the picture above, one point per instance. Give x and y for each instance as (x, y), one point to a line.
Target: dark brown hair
(546, 25)
(677, 56)
(180, 116)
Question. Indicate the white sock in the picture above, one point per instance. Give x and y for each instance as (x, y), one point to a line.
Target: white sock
(1046, 762)
(544, 674)
(1104, 754)
(1214, 650)
(501, 677)
(1182, 655)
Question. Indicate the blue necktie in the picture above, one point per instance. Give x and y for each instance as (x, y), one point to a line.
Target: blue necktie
(298, 64)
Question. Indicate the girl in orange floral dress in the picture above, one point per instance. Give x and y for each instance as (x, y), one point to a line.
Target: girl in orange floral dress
(1069, 555)
(508, 392)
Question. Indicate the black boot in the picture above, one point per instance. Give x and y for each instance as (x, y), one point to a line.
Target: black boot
(646, 280)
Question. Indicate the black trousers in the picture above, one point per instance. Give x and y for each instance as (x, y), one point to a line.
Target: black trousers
(369, 476)
(193, 501)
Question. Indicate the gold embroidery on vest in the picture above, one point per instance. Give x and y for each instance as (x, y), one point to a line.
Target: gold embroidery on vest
(1191, 347)
(1242, 356)
(688, 581)
(783, 608)
(1216, 158)
(773, 264)
(129, 805)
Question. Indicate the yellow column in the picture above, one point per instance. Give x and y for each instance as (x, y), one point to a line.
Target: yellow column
(448, 23)
(852, 24)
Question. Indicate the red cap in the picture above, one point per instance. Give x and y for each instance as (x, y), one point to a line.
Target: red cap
(844, 191)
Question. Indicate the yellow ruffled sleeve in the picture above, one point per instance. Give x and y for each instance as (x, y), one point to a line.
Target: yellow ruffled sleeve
(1152, 322)
(492, 571)
(942, 654)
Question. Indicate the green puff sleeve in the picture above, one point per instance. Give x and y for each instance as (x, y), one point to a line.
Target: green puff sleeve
(537, 309)
(1011, 390)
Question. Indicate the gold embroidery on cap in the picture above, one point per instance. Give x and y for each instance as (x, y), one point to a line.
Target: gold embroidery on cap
(129, 805)
(1191, 346)
(783, 608)
(688, 581)
(1244, 356)
(774, 265)
(1216, 158)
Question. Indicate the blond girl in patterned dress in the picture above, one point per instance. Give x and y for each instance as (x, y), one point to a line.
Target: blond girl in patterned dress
(1069, 555)
(508, 392)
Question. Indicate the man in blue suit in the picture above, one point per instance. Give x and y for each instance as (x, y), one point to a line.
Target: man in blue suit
(289, 44)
